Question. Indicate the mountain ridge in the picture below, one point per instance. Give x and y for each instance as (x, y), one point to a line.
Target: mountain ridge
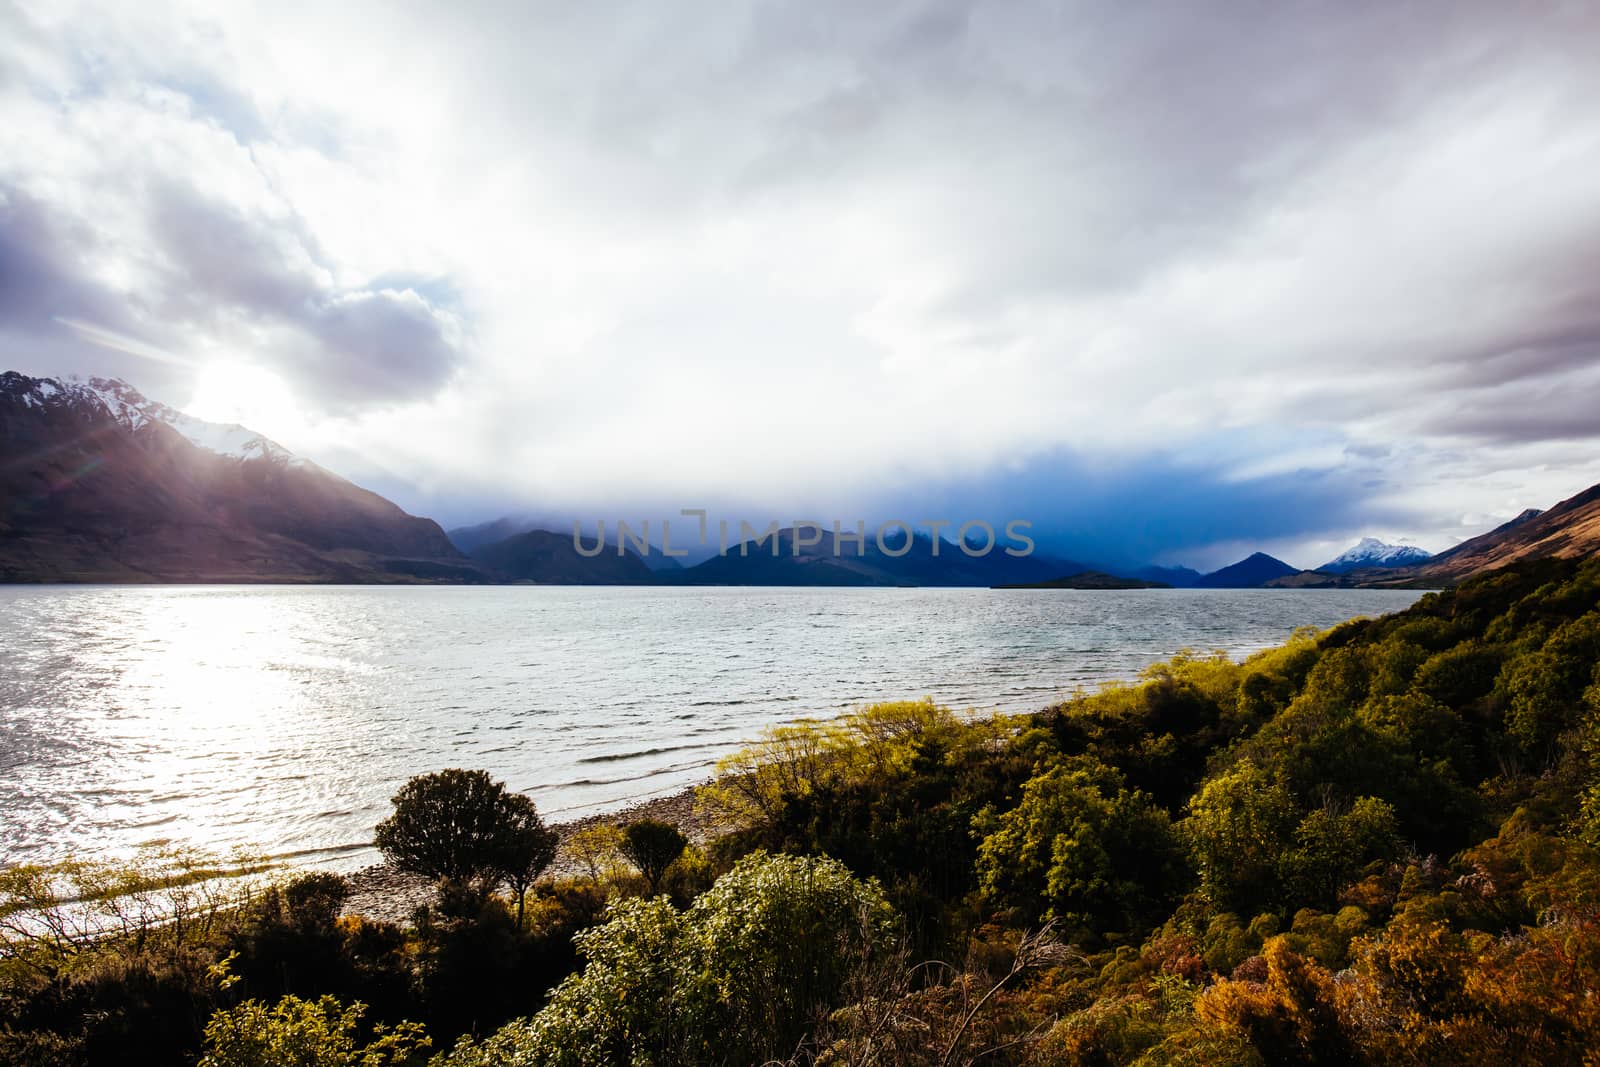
(919, 562)
(550, 558)
(1569, 528)
(102, 484)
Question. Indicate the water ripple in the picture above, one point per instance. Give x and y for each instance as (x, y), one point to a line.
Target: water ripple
(284, 718)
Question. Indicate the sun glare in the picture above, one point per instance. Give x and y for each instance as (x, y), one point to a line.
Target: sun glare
(248, 395)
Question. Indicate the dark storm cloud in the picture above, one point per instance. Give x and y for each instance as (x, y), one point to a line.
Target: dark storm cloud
(1155, 507)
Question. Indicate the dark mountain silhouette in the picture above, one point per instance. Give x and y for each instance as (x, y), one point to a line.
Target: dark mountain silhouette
(552, 559)
(1252, 572)
(97, 483)
(471, 538)
(1177, 577)
(924, 562)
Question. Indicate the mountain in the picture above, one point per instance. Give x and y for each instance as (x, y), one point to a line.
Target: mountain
(551, 559)
(1571, 528)
(1252, 572)
(1177, 577)
(469, 539)
(1370, 552)
(98, 483)
(1526, 515)
(659, 562)
(923, 563)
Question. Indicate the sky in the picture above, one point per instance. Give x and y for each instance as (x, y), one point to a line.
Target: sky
(1174, 282)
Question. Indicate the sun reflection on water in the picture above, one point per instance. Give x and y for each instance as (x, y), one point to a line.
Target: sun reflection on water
(283, 718)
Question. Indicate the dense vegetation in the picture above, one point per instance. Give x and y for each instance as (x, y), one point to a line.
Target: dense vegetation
(1380, 844)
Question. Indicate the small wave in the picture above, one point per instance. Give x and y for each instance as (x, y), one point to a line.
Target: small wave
(321, 850)
(655, 773)
(619, 756)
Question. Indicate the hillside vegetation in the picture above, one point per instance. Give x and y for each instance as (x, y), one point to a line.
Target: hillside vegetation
(1379, 844)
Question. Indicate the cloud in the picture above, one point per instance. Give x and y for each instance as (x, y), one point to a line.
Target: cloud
(215, 273)
(42, 269)
(141, 200)
(1328, 269)
(345, 346)
(1535, 409)
(1160, 507)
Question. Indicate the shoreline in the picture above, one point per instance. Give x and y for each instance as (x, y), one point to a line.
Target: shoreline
(380, 892)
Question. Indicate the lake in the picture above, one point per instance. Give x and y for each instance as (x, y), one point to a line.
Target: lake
(285, 717)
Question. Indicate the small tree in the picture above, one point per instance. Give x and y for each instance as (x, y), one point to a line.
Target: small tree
(595, 848)
(526, 850)
(652, 846)
(467, 828)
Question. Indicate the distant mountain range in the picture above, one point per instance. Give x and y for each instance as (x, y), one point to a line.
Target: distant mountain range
(1177, 577)
(551, 559)
(921, 561)
(470, 539)
(99, 483)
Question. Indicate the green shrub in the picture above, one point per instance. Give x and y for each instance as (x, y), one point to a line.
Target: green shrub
(1082, 849)
(1239, 826)
(736, 979)
(307, 1033)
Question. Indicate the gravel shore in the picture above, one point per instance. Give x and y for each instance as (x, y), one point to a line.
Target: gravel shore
(383, 893)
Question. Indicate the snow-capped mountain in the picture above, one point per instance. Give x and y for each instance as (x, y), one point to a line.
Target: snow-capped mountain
(132, 410)
(1370, 552)
(101, 483)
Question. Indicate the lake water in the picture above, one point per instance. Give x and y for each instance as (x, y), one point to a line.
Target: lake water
(285, 717)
